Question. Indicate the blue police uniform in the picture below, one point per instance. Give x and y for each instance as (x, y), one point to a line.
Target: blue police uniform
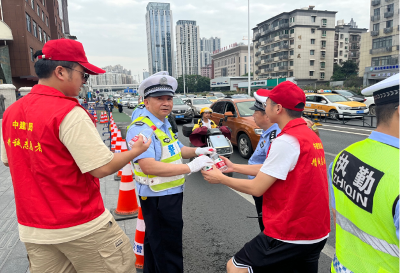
(162, 210)
(137, 112)
(259, 157)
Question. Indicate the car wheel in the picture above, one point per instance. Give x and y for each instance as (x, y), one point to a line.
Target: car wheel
(372, 110)
(244, 145)
(333, 114)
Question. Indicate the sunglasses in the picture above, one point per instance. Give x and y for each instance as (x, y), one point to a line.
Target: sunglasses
(85, 76)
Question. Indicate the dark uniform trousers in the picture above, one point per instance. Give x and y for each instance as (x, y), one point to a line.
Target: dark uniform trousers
(163, 236)
(258, 202)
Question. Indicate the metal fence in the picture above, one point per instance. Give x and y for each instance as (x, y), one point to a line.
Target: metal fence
(360, 120)
(91, 107)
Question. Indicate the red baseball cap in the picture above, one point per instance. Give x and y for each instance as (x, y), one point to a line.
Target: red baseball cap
(70, 51)
(288, 94)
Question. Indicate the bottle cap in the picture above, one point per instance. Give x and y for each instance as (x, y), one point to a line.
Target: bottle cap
(153, 127)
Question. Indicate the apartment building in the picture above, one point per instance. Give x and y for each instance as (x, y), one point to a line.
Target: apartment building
(187, 48)
(31, 24)
(380, 52)
(347, 42)
(232, 62)
(298, 44)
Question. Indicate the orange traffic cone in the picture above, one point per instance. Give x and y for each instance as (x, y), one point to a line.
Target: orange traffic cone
(114, 139)
(95, 116)
(139, 241)
(127, 207)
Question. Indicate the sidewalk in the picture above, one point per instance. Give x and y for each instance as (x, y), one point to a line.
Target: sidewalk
(13, 256)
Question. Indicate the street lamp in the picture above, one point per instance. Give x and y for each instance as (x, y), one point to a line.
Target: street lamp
(183, 68)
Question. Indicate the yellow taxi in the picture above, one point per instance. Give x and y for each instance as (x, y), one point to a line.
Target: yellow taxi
(324, 101)
(212, 98)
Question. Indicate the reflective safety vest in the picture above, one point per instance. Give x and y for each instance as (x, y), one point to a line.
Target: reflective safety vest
(365, 178)
(170, 153)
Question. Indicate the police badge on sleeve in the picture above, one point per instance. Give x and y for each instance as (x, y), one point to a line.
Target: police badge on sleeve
(356, 179)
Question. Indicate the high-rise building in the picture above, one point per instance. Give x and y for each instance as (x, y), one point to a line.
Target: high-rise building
(347, 42)
(32, 23)
(380, 46)
(208, 47)
(145, 75)
(160, 42)
(210, 44)
(187, 48)
(299, 44)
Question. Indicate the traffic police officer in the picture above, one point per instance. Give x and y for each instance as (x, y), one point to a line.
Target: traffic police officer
(270, 131)
(137, 111)
(159, 176)
(366, 191)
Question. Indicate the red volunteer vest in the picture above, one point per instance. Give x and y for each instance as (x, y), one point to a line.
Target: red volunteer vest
(298, 208)
(50, 190)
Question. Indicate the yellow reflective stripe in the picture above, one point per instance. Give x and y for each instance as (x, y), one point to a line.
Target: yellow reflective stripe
(168, 185)
(172, 158)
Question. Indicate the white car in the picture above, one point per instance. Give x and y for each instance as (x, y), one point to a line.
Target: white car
(124, 101)
(132, 103)
(370, 103)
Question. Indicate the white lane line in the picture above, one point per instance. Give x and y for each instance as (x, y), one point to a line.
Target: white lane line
(330, 154)
(327, 250)
(352, 133)
(343, 127)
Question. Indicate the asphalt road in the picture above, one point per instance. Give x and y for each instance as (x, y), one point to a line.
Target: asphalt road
(215, 217)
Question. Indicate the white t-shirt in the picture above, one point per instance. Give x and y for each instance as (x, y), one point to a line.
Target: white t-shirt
(207, 124)
(281, 160)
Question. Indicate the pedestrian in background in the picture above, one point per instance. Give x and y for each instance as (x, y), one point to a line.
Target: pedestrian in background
(56, 157)
(293, 182)
(159, 176)
(364, 186)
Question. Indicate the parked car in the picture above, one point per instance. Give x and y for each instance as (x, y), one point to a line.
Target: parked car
(211, 98)
(124, 101)
(235, 114)
(132, 103)
(197, 104)
(334, 104)
(370, 103)
(182, 111)
(219, 95)
(350, 95)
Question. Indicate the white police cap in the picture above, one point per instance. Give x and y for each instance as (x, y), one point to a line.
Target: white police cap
(158, 84)
(384, 92)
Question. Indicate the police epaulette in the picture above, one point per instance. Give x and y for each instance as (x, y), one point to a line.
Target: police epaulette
(272, 135)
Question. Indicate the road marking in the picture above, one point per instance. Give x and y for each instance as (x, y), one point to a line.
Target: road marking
(327, 250)
(330, 154)
(343, 132)
(350, 128)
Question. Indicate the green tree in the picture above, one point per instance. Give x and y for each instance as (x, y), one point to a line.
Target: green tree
(193, 84)
(347, 70)
(245, 75)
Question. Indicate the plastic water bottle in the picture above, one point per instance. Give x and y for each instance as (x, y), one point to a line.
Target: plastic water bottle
(207, 168)
(145, 133)
(218, 162)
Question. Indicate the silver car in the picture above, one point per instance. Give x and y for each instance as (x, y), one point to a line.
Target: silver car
(132, 103)
(197, 104)
(181, 111)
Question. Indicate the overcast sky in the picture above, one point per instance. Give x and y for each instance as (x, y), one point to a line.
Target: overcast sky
(114, 31)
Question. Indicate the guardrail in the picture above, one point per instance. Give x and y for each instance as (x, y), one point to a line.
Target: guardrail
(345, 119)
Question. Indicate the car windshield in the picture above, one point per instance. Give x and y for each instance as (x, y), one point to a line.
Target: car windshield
(345, 93)
(212, 98)
(133, 99)
(178, 101)
(201, 101)
(244, 108)
(336, 98)
(219, 95)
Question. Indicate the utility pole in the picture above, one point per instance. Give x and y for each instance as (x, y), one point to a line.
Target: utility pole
(183, 68)
(248, 46)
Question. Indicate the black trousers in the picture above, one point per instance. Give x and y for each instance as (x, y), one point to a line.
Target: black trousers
(258, 201)
(163, 236)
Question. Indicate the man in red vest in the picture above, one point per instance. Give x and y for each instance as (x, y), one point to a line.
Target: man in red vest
(294, 186)
(56, 157)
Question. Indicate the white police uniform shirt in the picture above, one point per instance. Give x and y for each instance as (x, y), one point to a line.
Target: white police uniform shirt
(154, 151)
(261, 151)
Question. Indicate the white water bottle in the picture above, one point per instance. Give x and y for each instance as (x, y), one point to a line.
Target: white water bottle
(146, 133)
(218, 162)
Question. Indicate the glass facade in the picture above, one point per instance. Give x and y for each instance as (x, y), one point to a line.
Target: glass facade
(159, 33)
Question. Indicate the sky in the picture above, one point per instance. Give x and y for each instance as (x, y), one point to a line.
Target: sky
(114, 31)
